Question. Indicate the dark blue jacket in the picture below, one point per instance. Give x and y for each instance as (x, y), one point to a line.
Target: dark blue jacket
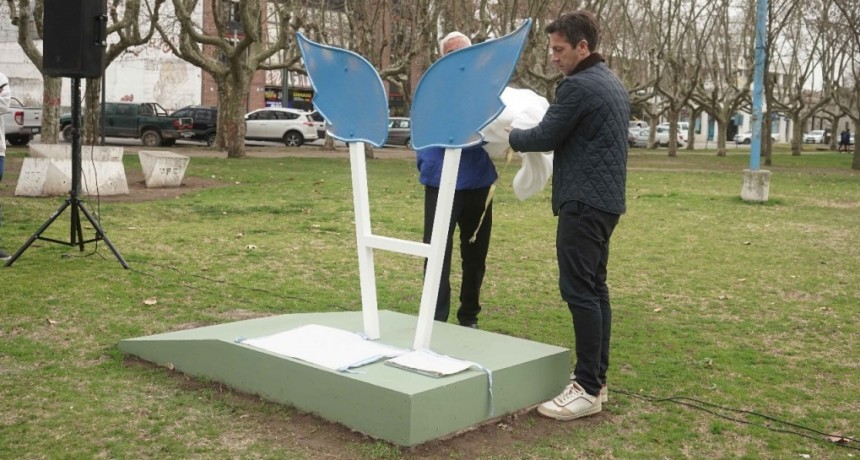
(586, 127)
(476, 168)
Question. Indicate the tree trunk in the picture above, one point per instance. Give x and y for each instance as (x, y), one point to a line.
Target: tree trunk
(766, 141)
(231, 117)
(834, 131)
(92, 113)
(855, 164)
(796, 136)
(673, 132)
(329, 144)
(721, 136)
(51, 109)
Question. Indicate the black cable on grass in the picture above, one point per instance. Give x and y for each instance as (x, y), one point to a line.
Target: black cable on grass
(681, 400)
(705, 407)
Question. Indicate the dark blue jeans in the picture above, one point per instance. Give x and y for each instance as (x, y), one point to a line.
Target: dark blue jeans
(582, 247)
(466, 213)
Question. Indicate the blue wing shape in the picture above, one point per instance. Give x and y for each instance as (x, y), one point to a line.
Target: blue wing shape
(347, 92)
(460, 93)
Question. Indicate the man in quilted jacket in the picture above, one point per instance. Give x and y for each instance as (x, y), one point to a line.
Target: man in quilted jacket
(586, 127)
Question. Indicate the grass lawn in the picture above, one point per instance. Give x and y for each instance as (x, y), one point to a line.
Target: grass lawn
(737, 308)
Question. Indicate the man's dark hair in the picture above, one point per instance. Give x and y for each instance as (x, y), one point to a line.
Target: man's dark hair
(577, 26)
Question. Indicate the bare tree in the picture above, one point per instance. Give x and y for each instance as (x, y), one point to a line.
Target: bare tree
(632, 57)
(124, 30)
(27, 16)
(231, 52)
(679, 53)
(847, 21)
(724, 88)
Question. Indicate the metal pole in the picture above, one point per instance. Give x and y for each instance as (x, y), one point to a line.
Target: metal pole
(758, 83)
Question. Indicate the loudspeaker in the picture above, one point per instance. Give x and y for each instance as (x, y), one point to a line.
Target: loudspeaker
(74, 39)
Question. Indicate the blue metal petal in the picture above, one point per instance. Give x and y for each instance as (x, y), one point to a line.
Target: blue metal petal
(460, 93)
(348, 92)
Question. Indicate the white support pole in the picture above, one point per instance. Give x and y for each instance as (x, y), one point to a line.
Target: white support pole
(367, 276)
(438, 239)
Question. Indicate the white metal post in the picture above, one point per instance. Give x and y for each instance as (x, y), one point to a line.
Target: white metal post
(367, 276)
(436, 256)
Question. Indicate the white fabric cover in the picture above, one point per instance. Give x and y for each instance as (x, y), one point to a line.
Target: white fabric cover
(524, 109)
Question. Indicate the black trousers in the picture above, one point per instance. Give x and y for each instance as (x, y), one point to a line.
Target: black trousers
(466, 214)
(582, 247)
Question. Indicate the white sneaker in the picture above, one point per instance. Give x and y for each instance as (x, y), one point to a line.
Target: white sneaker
(571, 404)
(604, 391)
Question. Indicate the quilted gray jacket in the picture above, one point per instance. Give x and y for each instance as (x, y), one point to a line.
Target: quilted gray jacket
(586, 128)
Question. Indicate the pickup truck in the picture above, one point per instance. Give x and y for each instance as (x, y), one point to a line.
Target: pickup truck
(22, 123)
(147, 121)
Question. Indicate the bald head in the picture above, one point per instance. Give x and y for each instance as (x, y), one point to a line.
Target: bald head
(453, 41)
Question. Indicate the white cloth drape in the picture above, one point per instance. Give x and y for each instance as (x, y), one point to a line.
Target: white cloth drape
(524, 109)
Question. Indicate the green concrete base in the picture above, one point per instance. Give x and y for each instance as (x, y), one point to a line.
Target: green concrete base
(382, 401)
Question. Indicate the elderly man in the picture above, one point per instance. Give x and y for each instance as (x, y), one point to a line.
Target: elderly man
(476, 174)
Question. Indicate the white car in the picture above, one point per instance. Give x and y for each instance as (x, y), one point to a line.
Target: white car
(746, 138)
(641, 138)
(290, 126)
(661, 135)
(814, 137)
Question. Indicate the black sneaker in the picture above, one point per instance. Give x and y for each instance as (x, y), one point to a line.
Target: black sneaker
(473, 325)
(3, 256)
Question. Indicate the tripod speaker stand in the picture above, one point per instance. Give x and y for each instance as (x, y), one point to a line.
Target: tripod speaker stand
(76, 236)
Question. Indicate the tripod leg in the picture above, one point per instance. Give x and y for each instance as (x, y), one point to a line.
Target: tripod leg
(38, 233)
(101, 234)
(76, 233)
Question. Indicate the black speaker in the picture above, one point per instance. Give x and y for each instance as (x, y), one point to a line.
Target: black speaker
(74, 40)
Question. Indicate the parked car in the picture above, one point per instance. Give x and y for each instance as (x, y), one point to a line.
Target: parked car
(641, 138)
(399, 132)
(746, 138)
(818, 136)
(205, 122)
(21, 123)
(633, 130)
(638, 124)
(290, 126)
(661, 135)
(320, 123)
(147, 121)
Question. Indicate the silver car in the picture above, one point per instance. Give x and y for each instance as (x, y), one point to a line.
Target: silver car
(290, 126)
(399, 132)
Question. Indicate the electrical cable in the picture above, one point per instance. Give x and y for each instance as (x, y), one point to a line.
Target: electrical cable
(704, 406)
(693, 403)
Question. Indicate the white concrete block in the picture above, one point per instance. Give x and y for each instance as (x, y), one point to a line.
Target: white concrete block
(756, 186)
(162, 169)
(48, 171)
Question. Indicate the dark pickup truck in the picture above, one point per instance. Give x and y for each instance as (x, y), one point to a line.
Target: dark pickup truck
(146, 121)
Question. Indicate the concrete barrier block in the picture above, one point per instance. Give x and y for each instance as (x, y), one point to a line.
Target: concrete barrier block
(162, 169)
(48, 171)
